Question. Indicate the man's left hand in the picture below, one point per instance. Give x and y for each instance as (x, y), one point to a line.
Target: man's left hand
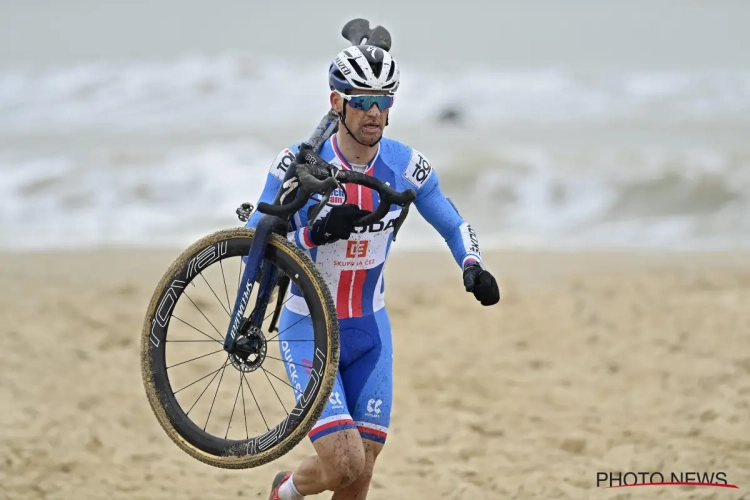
(482, 284)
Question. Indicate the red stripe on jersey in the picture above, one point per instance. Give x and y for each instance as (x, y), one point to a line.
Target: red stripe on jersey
(352, 193)
(335, 423)
(365, 201)
(359, 285)
(374, 432)
(342, 297)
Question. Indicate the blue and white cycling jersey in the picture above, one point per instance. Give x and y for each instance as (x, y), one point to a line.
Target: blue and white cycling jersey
(353, 269)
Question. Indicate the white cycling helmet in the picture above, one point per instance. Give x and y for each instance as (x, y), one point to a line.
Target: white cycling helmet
(364, 67)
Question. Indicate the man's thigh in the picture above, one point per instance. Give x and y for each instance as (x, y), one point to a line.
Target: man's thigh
(368, 382)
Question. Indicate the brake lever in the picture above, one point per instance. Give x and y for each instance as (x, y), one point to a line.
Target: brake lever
(400, 220)
(315, 211)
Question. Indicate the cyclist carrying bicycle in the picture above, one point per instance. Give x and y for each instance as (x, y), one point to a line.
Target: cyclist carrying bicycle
(353, 428)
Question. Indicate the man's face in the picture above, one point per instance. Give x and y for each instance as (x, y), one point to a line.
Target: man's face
(366, 125)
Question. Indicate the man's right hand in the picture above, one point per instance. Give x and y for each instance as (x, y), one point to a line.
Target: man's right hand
(337, 224)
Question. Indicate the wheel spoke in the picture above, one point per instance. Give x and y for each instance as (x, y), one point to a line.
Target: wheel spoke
(226, 290)
(217, 297)
(194, 328)
(209, 385)
(284, 381)
(215, 394)
(236, 397)
(287, 328)
(205, 376)
(199, 357)
(256, 401)
(183, 341)
(274, 390)
(244, 410)
(199, 310)
(285, 361)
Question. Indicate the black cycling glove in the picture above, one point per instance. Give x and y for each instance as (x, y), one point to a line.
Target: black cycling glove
(482, 284)
(337, 224)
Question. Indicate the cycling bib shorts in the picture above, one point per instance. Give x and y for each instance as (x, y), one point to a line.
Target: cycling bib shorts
(362, 394)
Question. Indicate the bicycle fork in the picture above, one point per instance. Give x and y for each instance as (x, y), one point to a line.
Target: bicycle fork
(267, 225)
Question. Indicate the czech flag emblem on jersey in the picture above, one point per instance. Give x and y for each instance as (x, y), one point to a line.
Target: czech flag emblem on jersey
(337, 197)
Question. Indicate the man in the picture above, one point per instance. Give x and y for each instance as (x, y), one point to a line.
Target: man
(352, 430)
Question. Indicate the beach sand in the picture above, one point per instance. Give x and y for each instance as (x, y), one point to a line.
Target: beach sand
(592, 362)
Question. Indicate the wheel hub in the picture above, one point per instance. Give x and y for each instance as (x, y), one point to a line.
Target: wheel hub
(250, 349)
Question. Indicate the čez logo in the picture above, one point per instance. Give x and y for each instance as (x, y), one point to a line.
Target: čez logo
(356, 249)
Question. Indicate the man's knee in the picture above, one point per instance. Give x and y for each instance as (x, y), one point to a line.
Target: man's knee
(360, 486)
(345, 469)
(343, 458)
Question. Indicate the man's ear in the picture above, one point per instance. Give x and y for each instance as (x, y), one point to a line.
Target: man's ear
(336, 102)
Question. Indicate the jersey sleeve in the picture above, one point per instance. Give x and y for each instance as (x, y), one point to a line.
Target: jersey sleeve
(440, 211)
(276, 172)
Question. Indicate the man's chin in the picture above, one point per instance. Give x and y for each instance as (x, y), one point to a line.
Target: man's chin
(370, 137)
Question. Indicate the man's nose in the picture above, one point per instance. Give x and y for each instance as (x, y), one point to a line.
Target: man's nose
(374, 111)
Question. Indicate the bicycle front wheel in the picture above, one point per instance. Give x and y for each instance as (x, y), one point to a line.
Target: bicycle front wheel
(257, 416)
